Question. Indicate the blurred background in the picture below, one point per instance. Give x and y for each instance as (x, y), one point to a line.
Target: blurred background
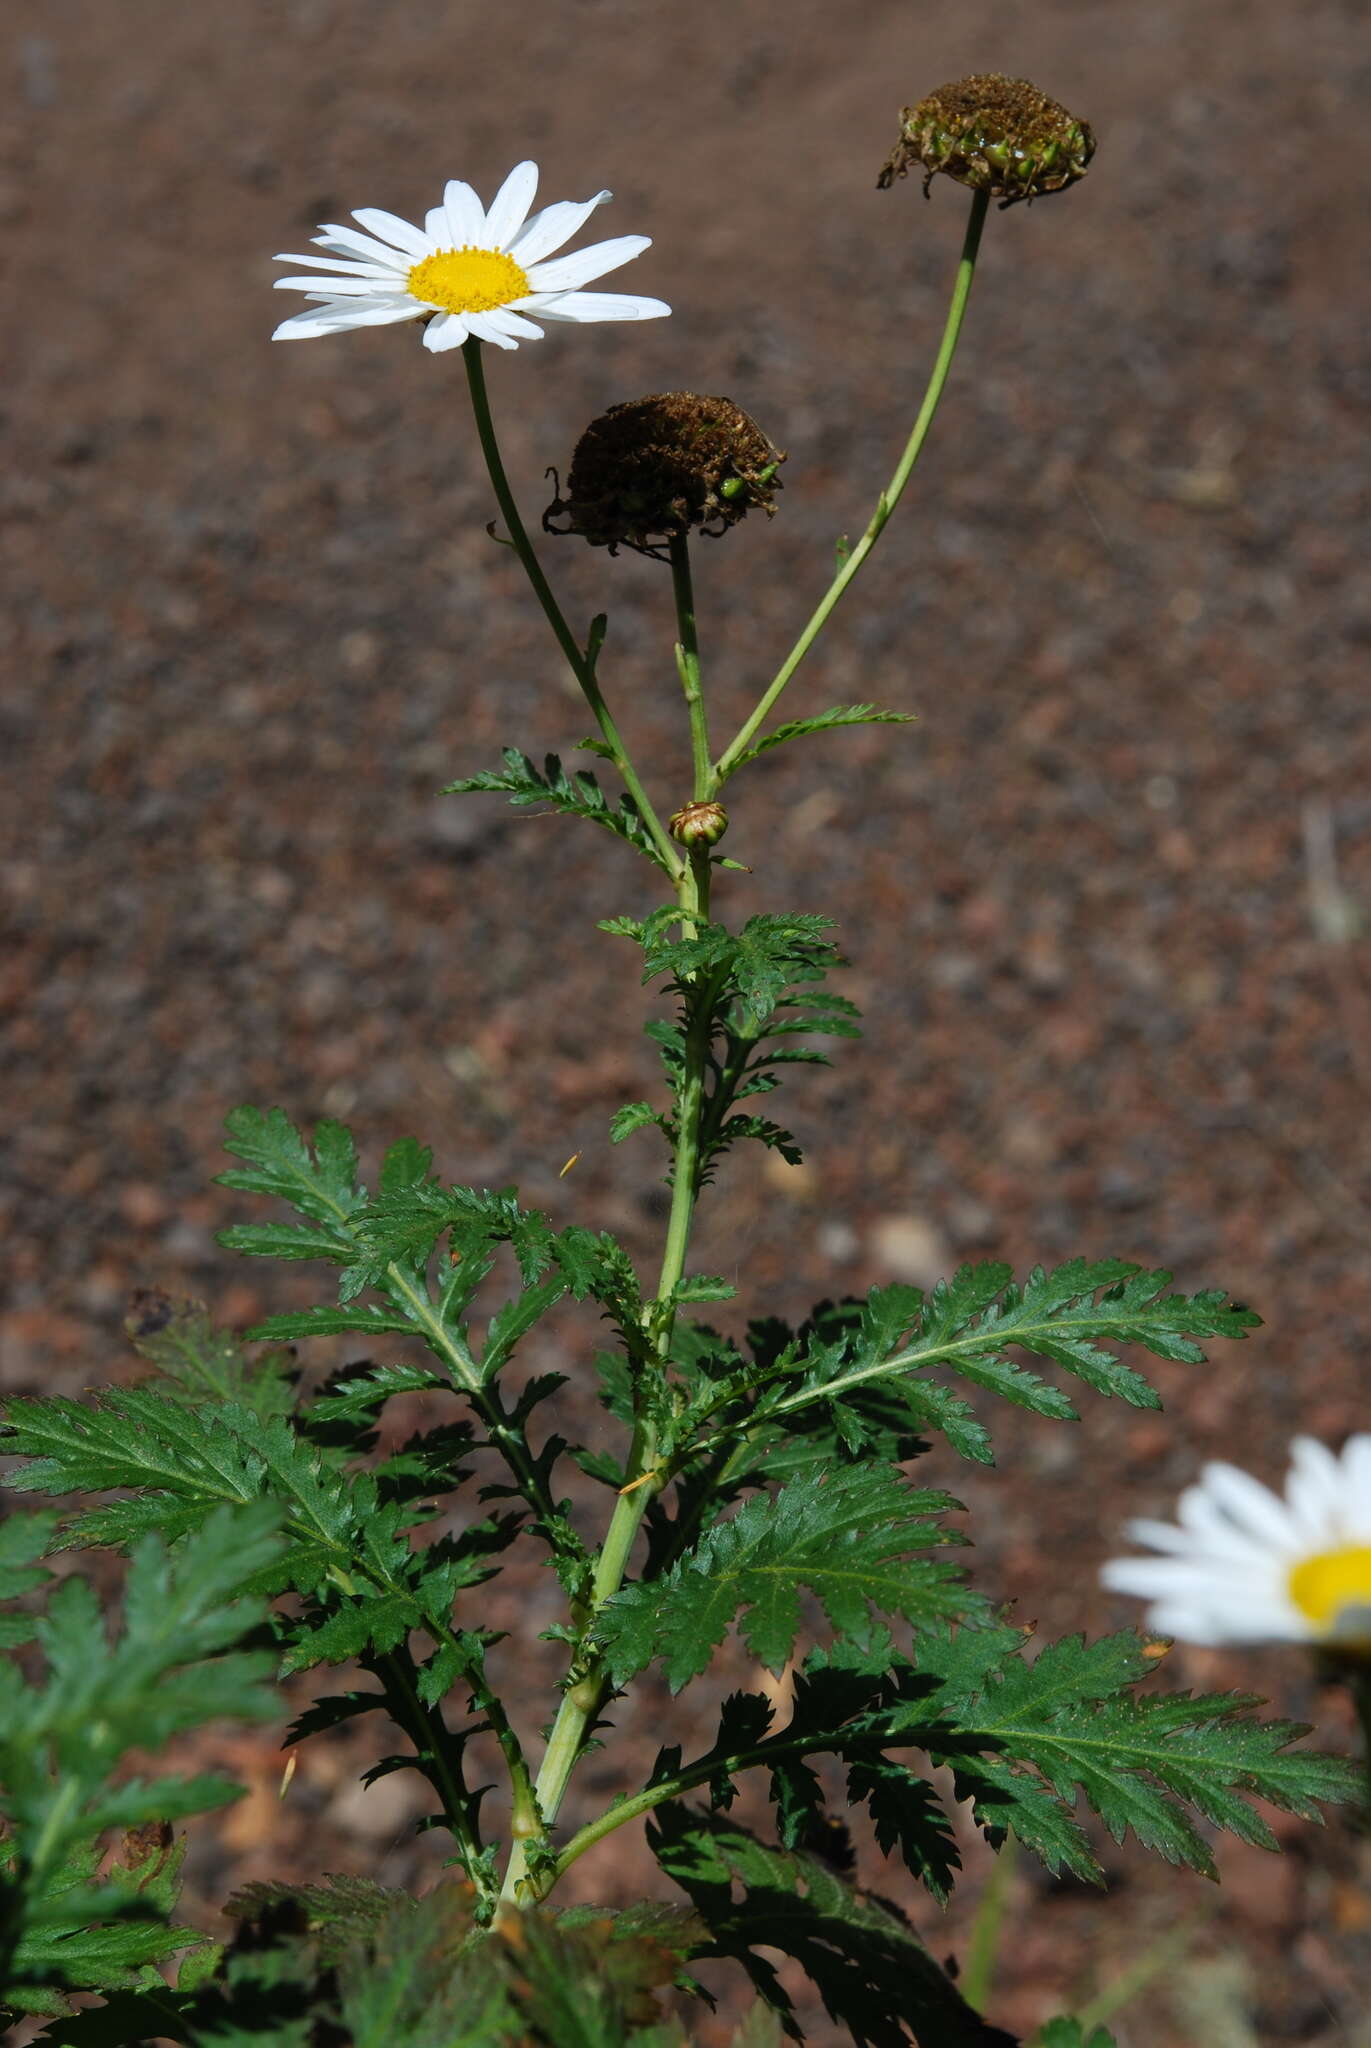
(1105, 903)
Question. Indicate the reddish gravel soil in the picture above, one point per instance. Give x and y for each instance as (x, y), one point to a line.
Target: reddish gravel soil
(1104, 903)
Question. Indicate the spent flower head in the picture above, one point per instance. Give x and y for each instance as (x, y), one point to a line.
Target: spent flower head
(999, 135)
(647, 471)
(467, 271)
(1241, 1565)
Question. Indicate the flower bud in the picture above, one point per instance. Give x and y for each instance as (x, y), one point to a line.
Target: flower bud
(646, 472)
(701, 824)
(999, 135)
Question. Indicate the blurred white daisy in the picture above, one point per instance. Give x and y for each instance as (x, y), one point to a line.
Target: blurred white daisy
(467, 271)
(1245, 1566)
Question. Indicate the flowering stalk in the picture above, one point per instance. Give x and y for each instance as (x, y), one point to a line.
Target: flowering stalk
(688, 666)
(885, 504)
(581, 661)
(587, 1682)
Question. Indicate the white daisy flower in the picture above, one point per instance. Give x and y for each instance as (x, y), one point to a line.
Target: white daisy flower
(467, 271)
(1245, 1566)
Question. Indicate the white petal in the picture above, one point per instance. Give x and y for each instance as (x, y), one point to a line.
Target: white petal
(1159, 1535)
(1314, 1491)
(1356, 1465)
(387, 274)
(509, 208)
(334, 237)
(512, 323)
(1252, 1506)
(1200, 1625)
(569, 273)
(436, 227)
(486, 328)
(328, 318)
(391, 228)
(592, 306)
(304, 327)
(1213, 1534)
(447, 330)
(380, 312)
(333, 316)
(466, 217)
(1150, 1577)
(337, 287)
(543, 232)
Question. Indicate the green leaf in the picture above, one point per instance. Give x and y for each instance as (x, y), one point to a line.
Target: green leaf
(577, 795)
(23, 1539)
(970, 1323)
(877, 1981)
(123, 2018)
(1069, 2033)
(205, 1363)
(846, 1535)
(517, 1318)
(360, 1391)
(174, 1666)
(332, 1322)
(321, 1184)
(1073, 1717)
(634, 1116)
(757, 965)
(822, 721)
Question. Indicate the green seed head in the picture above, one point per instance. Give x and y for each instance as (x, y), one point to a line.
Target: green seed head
(646, 472)
(999, 135)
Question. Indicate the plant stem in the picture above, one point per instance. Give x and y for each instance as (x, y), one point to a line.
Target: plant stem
(705, 1770)
(580, 661)
(585, 1695)
(688, 665)
(978, 1972)
(432, 1740)
(488, 1702)
(445, 1344)
(1360, 1685)
(885, 504)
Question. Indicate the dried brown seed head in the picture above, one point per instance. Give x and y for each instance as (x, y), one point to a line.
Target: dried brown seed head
(646, 472)
(999, 135)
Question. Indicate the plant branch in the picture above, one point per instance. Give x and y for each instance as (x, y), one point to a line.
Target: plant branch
(581, 661)
(432, 1740)
(688, 665)
(506, 1439)
(885, 504)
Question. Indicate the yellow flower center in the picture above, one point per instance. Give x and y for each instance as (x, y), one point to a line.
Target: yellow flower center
(468, 280)
(1334, 1591)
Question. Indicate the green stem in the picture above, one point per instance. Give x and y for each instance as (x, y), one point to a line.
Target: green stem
(525, 1805)
(581, 661)
(978, 1971)
(1361, 1699)
(506, 1439)
(688, 665)
(885, 504)
(431, 1737)
(585, 1694)
(705, 1770)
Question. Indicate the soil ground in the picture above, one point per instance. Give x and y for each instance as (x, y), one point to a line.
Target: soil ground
(1104, 903)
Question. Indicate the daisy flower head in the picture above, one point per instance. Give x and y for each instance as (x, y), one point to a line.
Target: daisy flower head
(468, 272)
(1243, 1565)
